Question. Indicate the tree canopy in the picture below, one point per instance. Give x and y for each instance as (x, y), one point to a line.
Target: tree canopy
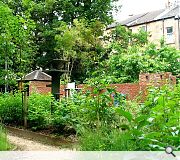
(130, 54)
(35, 32)
(16, 46)
(49, 13)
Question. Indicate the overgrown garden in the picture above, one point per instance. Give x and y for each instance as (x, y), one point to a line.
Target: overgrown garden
(34, 32)
(98, 124)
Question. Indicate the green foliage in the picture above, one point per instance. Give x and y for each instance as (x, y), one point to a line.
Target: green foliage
(126, 67)
(163, 108)
(81, 45)
(129, 54)
(99, 123)
(80, 37)
(4, 145)
(39, 111)
(16, 46)
(122, 38)
(11, 108)
(156, 126)
(73, 30)
(106, 140)
(51, 10)
(49, 14)
(85, 111)
(99, 10)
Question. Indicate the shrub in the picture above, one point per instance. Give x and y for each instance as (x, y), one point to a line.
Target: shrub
(162, 109)
(4, 145)
(11, 108)
(152, 128)
(39, 111)
(84, 110)
(100, 124)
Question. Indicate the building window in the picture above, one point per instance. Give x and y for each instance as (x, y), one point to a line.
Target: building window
(169, 30)
(169, 36)
(143, 28)
(130, 29)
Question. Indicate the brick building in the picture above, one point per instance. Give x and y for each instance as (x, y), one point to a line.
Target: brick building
(37, 81)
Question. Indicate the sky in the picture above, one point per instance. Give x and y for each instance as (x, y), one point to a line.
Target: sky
(130, 7)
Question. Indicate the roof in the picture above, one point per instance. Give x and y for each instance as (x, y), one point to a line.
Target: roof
(132, 19)
(112, 25)
(149, 17)
(172, 13)
(37, 75)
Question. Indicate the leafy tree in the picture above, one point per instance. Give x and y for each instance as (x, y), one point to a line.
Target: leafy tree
(126, 67)
(129, 54)
(80, 44)
(48, 14)
(65, 10)
(122, 38)
(16, 46)
(88, 9)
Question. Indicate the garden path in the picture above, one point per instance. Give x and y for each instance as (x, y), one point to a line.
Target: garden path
(23, 144)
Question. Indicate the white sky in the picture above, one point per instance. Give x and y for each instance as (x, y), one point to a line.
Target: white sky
(138, 6)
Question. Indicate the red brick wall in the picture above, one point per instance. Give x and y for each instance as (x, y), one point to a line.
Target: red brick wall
(129, 89)
(132, 90)
(156, 79)
(39, 87)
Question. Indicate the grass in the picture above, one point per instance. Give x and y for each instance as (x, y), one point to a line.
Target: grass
(104, 140)
(4, 145)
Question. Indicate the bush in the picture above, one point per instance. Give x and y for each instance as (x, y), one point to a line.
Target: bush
(11, 108)
(85, 110)
(100, 124)
(162, 110)
(39, 111)
(152, 128)
(4, 145)
(125, 67)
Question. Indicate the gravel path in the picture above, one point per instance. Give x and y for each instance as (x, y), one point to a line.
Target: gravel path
(23, 144)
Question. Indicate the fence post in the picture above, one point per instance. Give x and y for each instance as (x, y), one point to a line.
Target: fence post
(25, 107)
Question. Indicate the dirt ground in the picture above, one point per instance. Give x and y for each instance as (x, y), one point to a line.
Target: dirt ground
(22, 144)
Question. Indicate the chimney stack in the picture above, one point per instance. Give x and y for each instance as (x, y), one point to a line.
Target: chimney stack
(168, 4)
(177, 2)
(172, 3)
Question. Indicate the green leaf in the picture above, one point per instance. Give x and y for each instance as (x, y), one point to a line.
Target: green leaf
(136, 132)
(142, 124)
(124, 127)
(153, 135)
(126, 114)
(141, 118)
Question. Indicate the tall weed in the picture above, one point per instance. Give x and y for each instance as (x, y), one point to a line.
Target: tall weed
(4, 145)
(106, 140)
